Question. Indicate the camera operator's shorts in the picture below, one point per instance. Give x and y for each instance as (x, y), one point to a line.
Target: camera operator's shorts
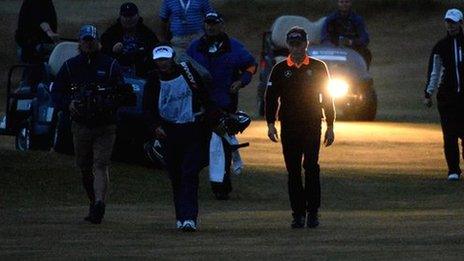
(93, 146)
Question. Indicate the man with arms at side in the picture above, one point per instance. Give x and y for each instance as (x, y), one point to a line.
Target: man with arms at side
(299, 82)
(446, 73)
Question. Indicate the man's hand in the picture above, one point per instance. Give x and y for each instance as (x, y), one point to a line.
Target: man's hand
(272, 132)
(329, 136)
(117, 48)
(428, 102)
(54, 36)
(235, 86)
(345, 41)
(73, 108)
(160, 133)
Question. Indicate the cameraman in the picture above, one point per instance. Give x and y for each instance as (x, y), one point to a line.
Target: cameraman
(89, 87)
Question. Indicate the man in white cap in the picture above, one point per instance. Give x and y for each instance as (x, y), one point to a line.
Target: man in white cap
(175, 101)
(446, 73)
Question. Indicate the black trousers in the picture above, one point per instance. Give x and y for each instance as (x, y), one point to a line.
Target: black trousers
(184, 154)
(299, 143)
(452, 124)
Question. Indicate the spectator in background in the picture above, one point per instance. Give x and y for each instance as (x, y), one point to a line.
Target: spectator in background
(37, 30)
(182, 20)
(346, 28)
(181, 23)
(130, 41)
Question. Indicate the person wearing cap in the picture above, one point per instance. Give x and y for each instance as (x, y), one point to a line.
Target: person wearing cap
(231, 67)
(35, 36)
(446, 74)
(130, 41)
(300, 83)
(346, 28)
(182, 21)
(89, 88)
(175, 104)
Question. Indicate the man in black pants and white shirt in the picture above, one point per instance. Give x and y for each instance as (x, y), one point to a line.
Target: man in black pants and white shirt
(446, 73)
(300, 82)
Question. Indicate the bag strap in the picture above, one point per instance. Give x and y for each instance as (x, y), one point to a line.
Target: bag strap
(188, 75)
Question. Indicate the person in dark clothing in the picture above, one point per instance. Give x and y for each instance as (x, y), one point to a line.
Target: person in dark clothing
(175, 102)
(89, 88)
(231, 67)
(345, 28)
(446, 73)
(129, 41)
(36, 33)
(300, 82)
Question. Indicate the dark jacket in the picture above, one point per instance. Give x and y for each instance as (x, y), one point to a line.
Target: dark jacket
(352, 27)
(446, 70)
(82, 72)
(200, 99)
(137, 53)
(230, 63)
(299, 91)
(31, 15)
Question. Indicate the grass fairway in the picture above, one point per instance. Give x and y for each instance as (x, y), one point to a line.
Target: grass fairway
(384, 190)
(384, 197)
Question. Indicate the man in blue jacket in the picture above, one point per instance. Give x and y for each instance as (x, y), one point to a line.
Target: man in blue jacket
(346, 28)
(231, 67)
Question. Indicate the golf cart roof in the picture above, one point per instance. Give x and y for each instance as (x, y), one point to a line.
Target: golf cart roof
(283, 24)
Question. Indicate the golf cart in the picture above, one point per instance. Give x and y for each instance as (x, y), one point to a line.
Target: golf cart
(31, 117)
(351, 84)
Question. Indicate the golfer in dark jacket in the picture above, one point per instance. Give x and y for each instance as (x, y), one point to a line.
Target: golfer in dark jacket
(300, 82)
(130, 41)
(446, 73)
(174, 102)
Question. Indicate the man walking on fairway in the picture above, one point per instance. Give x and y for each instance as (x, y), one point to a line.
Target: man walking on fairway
(446, 73)
(300, 82)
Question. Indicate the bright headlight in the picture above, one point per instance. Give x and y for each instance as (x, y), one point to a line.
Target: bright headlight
(338, 88)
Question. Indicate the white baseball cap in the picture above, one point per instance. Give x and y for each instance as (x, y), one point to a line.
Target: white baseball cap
(163, 51)
(454, 15)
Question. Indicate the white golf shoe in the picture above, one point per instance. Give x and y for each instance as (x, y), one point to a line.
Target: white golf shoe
(189, 226)
(453, 177)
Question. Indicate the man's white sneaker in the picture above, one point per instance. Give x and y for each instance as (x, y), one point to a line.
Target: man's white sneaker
(178, 224)
(189, 226)
(453, 177)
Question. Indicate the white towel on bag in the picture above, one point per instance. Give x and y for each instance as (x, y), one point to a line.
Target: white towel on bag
(217, 159)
